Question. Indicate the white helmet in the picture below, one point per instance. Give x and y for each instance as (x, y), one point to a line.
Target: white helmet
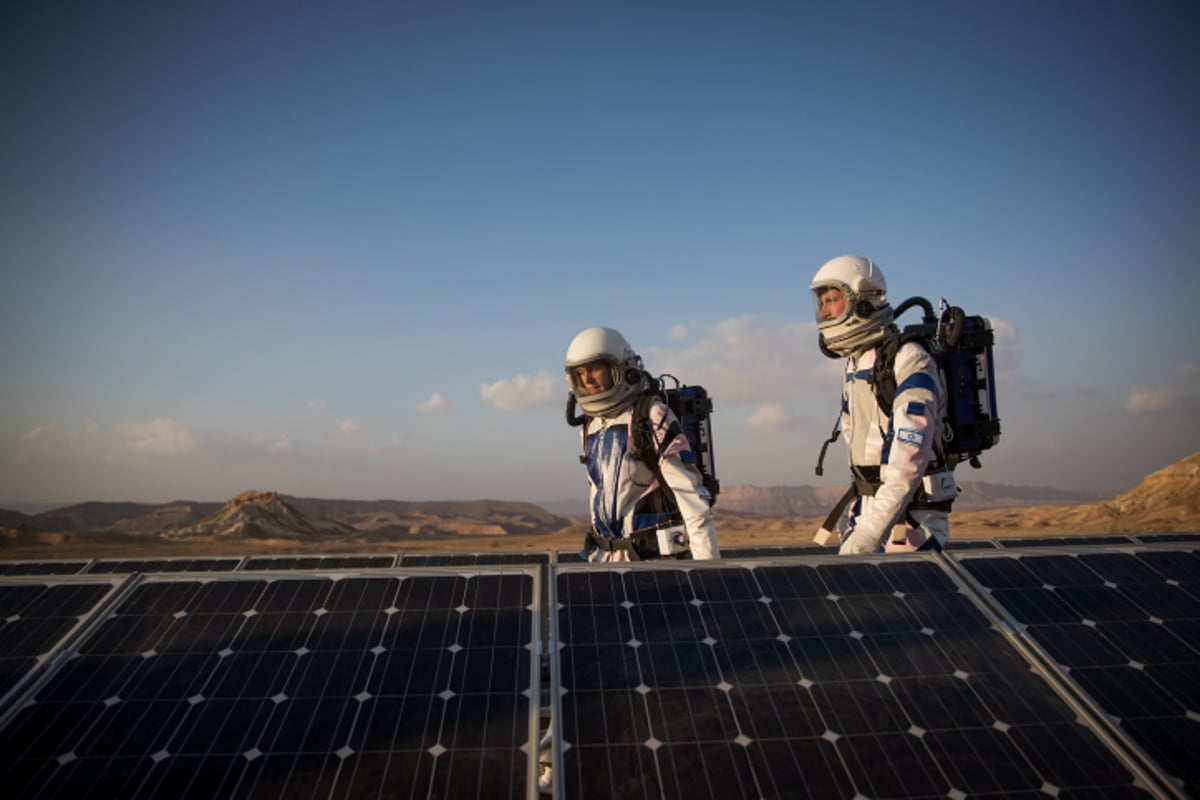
(629, 380)
(866, 314)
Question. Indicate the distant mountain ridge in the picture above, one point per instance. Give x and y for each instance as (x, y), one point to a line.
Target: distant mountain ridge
(269, 515)
(1166, 499)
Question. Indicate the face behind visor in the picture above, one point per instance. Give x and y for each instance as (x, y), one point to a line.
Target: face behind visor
(608, 348)
(850, 304)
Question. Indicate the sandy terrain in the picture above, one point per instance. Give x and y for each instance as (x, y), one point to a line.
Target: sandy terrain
(733, 530)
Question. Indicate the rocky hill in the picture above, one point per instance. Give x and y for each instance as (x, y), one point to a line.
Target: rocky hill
(259, 515)
(1165, 500)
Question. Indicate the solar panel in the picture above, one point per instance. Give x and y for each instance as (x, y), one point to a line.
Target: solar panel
(112, 566)
(1159, 538)
(815, 678)
(401, 685)
(42, 567)
(970, 544)
(256, 563)
(1123, 627)
(1078, 540)
(777, 551)
(471, 559)
(34, 619)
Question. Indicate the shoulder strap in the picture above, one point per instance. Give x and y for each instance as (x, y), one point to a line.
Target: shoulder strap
(883, 375)
(641, 429)
(648, 451)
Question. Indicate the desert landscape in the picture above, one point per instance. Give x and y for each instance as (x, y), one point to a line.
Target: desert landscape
(265, 522)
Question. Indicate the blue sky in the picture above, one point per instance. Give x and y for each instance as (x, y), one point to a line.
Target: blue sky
(339, 250)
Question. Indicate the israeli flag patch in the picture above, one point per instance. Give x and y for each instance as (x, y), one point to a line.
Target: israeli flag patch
(910, 436)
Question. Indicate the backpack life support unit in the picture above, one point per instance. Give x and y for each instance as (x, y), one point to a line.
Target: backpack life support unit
(693, 408)
(961, 346)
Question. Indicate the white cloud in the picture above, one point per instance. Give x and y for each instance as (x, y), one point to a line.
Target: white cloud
(316, 405)
(771, 417)
(678, 333)
(434, 404)
(749, 360)
(46, 443)
(1004, 330)
(522, 391)
(1164, 400)
(349, 427)
(1188, 369)
(281, 445)
(159, 437)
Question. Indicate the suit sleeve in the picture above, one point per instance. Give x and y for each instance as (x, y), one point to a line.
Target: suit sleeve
(911, 432)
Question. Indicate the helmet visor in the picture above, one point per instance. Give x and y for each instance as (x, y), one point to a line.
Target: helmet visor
(593, 377)
(832, 303)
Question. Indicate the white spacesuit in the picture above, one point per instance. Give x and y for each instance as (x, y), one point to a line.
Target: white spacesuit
(894, 458)
(623, 496)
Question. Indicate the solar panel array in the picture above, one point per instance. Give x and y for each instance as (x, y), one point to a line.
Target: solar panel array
(854, 677)
(419, 684)
(116, 566)
(1064, 667)
(318, 562)
(1122, 626)
(42, 567)
(34, 618)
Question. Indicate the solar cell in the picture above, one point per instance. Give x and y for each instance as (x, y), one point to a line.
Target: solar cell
(42, 567)
(1077, 540)
(471, 559)
(777, 551)
(416, 684)
(1123, 626)
(34, 618)
(1158, 538)
(807, 678)
(255, 563)
(111, 566)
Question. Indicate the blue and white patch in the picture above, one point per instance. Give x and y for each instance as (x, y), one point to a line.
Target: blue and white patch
(910, 436)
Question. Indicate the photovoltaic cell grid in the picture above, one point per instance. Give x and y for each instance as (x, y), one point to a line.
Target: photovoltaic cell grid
(471, 559)
(1125, 627)
(871, 678)
(42, 567)
(114, 566)
(777, 551)
(1079, 540)
(34, 617)
(1159, 538)
(255, 563)
(417, 685)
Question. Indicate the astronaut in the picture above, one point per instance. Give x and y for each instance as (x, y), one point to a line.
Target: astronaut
(627, 497)
(903, 487)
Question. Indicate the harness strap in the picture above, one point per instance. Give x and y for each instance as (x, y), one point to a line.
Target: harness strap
(866, 483)
(629, 544)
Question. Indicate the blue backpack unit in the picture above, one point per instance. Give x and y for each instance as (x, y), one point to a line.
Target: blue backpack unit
(961, 346)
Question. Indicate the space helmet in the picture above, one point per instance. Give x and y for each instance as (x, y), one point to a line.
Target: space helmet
(628, 377)
(865, 315)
